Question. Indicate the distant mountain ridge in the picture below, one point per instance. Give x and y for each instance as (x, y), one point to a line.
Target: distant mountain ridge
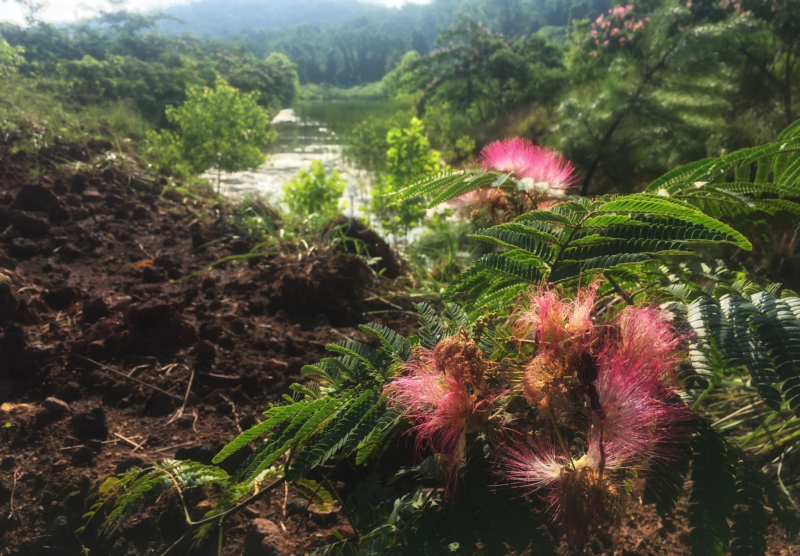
(220, 18)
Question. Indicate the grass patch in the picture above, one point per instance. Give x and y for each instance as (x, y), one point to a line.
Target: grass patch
(37, 108)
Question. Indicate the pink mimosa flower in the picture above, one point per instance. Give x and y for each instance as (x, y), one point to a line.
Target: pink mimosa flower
(444, 391)
(648, 342)
(530, 466)
(552, 320)
(439, 404)
(526, 160)
(636, 386)
(579, 494)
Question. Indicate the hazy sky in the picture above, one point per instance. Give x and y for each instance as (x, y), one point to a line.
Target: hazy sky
(68, 10)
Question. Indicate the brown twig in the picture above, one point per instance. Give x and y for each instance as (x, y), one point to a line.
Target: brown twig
(345, 336)
(235, 413)
(17, 473)
(179, 413)
(141, 382)
(168, 448)
(131, 442)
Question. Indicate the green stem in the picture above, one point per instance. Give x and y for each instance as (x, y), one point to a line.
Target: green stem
(702, 397)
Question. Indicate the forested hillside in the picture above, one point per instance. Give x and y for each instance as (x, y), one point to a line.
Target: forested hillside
(348, 43)
(224, 18)
(122, 57)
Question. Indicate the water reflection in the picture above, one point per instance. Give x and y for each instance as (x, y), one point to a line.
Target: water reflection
(300, 140)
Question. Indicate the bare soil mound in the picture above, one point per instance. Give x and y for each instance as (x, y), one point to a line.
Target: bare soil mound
(108, 360)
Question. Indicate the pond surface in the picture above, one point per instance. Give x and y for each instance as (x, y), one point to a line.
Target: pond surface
(312, 131)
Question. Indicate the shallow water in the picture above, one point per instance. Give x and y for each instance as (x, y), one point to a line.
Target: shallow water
(300, 141)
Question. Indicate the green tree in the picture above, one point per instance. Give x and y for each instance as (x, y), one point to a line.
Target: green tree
(648, 91)
(409, 155)
(10, 58)
(221, 128)
(314, 192)
(476, 79)
(773, 53)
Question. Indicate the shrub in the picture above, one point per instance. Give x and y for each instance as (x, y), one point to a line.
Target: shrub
(409, 155)
(220, 128)
(314, 192)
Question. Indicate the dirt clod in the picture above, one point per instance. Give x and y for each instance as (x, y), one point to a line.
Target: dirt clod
(90, 424)
(57, 408)
(30, 224)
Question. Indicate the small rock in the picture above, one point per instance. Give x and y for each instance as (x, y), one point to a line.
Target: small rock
(59, 466)
(56, 407)
(91, 424)
(8, 462)
(95, 310)
(30, 224)
(159, 405)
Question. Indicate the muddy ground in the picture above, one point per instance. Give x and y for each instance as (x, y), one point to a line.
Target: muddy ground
(108, 360)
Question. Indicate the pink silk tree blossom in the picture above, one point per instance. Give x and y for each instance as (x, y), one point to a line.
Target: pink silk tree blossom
(442, 390)
(525, 160)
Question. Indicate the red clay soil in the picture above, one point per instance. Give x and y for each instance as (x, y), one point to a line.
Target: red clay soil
(107, 361)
